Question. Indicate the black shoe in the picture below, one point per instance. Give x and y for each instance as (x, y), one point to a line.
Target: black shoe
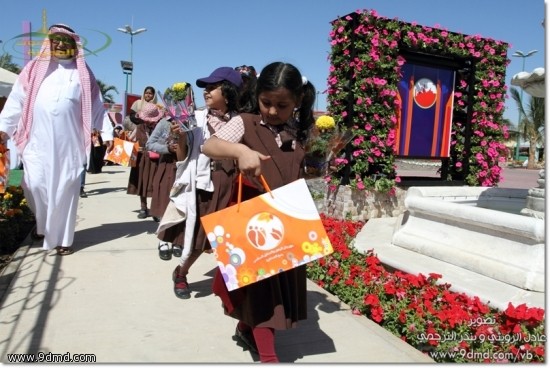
(176, 250)
(156, 219)
(35, 235)
(181, 287)
(83, 193)
(247, 339)
(143, 214)
(165, 254)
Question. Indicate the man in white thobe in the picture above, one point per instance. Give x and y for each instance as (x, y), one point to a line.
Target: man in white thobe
(54, 106)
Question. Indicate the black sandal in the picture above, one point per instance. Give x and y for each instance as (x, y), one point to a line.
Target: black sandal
(165, 254)
(177, 250)
(247, 338)
(64, 251)
(35, 235)
(181, 287)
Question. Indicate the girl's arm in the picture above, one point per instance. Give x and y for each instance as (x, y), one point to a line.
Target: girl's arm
(182, 144)
(249, 161)
(157, 141)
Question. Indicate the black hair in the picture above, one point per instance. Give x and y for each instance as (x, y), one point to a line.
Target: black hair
(283, 75)
(151, 88)
(231, 94)
(247, 100)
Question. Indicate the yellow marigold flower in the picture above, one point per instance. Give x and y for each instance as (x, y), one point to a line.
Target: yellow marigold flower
(8, 195)
(178, 92)
(180, 86)
(325, 122)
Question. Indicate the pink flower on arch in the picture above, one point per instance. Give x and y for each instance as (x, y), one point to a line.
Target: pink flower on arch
(340, 161)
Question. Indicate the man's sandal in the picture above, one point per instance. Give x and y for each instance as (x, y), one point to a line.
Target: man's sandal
(35, 235)
(64, 251)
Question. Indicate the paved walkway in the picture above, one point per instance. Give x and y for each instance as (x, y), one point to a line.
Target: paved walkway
(113, 298)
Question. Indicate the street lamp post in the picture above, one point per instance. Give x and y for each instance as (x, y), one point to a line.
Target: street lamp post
(128, 30)
(127, 68)
(523, 56)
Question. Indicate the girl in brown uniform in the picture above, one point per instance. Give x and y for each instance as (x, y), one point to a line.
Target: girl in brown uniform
(271, 143)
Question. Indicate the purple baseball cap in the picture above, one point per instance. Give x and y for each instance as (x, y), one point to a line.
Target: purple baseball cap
(223, 73)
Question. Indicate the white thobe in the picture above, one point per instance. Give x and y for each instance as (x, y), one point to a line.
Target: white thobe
(55, 154)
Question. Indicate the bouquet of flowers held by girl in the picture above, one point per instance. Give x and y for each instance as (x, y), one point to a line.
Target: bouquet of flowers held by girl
(179, 103)
(325, 142)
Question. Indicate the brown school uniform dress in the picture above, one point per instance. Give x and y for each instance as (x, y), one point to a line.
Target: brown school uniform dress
(162, 184)
(163, 181)
(223, 174)
(141, 177)
(280, 300)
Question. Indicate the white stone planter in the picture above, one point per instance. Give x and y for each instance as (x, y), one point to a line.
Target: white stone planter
(460, 225)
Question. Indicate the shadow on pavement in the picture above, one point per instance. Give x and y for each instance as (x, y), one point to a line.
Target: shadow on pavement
(112, 231)
(308, 337)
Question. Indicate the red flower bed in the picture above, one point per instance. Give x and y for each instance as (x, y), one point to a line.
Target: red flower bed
(446, 325)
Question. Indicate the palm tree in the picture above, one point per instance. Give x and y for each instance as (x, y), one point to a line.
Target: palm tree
(531, 125)
(105, 92)
(512, 135)
(6, 63)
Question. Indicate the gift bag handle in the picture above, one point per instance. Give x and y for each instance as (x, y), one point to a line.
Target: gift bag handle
(240, 189)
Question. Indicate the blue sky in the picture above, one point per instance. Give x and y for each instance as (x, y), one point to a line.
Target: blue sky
(186, 40)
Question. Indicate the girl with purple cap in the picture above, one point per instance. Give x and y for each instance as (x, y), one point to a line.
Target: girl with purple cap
(202, 185)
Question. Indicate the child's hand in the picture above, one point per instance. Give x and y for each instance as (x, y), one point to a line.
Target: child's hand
(172, 147)
(4, 138)
(250, 162)
(176, 129)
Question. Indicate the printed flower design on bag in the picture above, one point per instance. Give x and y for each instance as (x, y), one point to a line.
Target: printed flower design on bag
(270, 252)
(266, 235)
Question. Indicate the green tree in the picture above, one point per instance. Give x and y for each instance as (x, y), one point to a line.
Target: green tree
(7, 63)
(106, 91)
(531, 125)
(508, 123)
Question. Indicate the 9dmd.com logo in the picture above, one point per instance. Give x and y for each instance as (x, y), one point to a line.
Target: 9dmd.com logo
(27, 45)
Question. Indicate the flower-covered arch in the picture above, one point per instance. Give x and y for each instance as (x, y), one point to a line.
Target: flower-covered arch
(367, 55)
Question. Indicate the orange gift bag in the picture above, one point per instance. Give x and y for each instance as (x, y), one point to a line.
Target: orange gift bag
(123, 153)
(271, 233)
(4, 167)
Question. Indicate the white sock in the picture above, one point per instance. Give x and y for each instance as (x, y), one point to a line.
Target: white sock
(164, 245)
